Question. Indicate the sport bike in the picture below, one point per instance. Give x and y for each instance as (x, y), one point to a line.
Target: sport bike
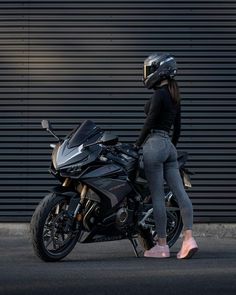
(102, 195)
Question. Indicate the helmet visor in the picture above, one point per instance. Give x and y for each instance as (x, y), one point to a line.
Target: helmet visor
(147, 70)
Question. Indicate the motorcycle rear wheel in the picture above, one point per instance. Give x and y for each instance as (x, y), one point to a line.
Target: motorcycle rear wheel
(173, 229)
(52, 236)
(174, 222)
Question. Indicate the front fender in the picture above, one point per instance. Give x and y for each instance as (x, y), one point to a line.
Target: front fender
(61, 190)
(72, 196)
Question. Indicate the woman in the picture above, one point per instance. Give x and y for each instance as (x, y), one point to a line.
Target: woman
(160, 155)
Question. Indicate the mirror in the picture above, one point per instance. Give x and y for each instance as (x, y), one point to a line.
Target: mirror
(108, 138)
(45, 124)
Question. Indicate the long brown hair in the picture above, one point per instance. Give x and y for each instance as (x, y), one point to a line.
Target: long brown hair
(174, 90)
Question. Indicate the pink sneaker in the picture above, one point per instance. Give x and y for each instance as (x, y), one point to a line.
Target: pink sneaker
(188, 249)
(158, 252)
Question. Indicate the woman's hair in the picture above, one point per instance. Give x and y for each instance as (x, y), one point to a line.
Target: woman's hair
(174, 90)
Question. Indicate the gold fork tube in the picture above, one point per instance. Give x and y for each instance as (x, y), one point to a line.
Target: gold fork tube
(66, 182)
(83, 192)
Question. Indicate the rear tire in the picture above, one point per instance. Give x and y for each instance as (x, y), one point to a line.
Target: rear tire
(173, 229)
(52, 239)
(174, 222)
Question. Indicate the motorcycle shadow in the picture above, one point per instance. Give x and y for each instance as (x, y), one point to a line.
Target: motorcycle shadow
(113, 251)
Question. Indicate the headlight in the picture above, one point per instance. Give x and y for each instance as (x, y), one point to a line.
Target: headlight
(54, 155)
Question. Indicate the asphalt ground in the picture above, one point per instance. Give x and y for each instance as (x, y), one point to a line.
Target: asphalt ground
(111, 268)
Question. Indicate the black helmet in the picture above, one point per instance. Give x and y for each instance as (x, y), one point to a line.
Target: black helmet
(158, 67)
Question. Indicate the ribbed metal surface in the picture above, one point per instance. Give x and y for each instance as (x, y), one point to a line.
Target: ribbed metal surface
(72, 60)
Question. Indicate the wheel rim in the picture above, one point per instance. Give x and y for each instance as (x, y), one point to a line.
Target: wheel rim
(56, 232)
(174, 224)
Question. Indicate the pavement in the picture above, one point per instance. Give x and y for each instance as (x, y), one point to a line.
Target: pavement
(217, 230)
(110, 268)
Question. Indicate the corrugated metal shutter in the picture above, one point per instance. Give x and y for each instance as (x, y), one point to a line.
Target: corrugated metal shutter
(72, 60)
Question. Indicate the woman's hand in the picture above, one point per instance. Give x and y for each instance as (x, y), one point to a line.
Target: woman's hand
(136, 147)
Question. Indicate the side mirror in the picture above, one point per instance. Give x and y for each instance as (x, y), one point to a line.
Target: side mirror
(46, 124)
(108, 139)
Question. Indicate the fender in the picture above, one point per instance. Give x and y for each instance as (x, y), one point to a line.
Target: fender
(74, 199)
(64, 191)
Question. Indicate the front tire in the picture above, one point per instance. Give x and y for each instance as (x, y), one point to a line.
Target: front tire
(53, 237)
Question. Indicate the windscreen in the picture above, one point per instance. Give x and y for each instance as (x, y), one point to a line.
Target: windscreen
(87, 132)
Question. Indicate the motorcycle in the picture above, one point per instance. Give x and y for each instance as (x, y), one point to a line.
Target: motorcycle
(102, 196)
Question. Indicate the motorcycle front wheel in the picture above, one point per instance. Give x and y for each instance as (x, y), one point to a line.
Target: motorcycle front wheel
(53, 234)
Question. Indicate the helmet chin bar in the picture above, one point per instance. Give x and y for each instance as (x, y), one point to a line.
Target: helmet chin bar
(148, 83)
(151, 81)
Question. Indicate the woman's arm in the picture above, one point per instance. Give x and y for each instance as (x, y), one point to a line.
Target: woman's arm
(149, 123)
(177, 127)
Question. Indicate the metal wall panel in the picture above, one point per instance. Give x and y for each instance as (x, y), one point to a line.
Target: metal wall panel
(72, 60)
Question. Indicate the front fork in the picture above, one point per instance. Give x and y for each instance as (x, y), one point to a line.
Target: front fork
(75, 207)
(78, 209)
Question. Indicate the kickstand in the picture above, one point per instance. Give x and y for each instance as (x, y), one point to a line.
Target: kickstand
(135, 246)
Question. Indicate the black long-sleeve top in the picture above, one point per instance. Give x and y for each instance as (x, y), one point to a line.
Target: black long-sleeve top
(162, 112)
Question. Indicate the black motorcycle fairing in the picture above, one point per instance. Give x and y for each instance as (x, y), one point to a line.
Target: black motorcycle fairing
(87, 130)
(102, 233)
(101, 171)
(111, 191)
(72, 167)
(67, 156)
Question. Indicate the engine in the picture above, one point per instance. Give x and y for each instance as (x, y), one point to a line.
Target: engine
(124, 218)
(92, 210)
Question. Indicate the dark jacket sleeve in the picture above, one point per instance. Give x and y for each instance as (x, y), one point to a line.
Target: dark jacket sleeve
(153, 113)
(177, 127)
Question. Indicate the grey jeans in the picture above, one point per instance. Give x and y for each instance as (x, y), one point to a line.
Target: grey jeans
(160, 162)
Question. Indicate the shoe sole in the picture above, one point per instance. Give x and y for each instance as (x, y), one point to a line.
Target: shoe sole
(190, 254)
(161, 257)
